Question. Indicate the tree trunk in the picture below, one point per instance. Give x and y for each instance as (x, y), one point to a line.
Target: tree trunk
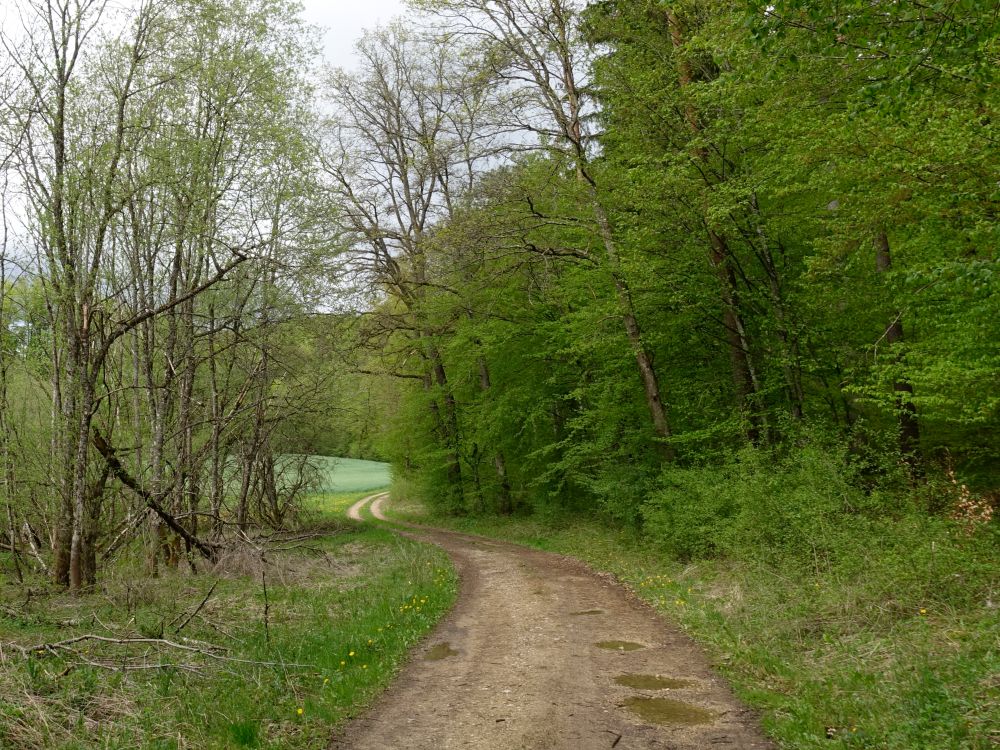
(643, 357)
(449, 422)
(906, 410)
(744, 376)
(505, 506)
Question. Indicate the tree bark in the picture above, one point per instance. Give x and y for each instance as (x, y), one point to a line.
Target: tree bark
(745, 381)
(906, 411)
(505, 505)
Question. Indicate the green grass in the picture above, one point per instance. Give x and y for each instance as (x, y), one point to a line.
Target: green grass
(898, 652)
(343, 608)
(333, 505)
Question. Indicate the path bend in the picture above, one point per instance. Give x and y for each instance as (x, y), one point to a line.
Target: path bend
(521, 667)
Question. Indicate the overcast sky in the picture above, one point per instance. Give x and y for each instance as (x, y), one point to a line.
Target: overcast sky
(344, 20)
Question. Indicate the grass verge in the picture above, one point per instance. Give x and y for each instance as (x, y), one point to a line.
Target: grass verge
(343, 604)
(876, 656)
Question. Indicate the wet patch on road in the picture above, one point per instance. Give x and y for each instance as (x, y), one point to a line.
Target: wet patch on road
(440, 651)
(619, 645)
(667, 711)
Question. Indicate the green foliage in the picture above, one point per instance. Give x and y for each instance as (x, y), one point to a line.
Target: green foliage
(803, 200)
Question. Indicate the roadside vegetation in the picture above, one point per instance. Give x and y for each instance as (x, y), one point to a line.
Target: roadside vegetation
(274, 646)
(844, 632)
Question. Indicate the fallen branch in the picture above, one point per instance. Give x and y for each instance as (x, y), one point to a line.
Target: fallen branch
(30, 534)
(198, 608)
(116, 666)
(210, 651)
(34, 617)
(64, 645)
(131, 523)
(209, 551)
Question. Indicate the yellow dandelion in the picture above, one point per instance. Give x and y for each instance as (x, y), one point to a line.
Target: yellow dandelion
(300, 710)
(364, 666)
(351, 654)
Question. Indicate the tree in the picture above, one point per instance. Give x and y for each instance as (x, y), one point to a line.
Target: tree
(535, 53)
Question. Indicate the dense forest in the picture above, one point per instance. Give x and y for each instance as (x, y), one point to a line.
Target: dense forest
(634, 250)
(617, 258)
(723, 274)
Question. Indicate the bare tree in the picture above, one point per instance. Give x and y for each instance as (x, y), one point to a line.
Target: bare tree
(156, 164)
(533, 51)
(407, 140)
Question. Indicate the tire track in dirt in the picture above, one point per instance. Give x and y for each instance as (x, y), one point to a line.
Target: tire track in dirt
(518, 665)
(354, 512)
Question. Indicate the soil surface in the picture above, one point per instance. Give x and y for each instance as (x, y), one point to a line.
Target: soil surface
(517, 664)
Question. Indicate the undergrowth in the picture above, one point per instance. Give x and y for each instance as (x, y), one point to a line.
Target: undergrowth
(280, 670)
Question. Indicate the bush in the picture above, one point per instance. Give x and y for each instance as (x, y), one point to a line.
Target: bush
(803, 506)
(690, 511)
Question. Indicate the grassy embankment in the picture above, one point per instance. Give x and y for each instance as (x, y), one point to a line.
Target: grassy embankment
(895, 648)
(343, 605)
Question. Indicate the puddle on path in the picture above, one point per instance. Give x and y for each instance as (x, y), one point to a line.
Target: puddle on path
(587, 612)
(440, 651)
(619, 645)
(651, 682)
(666, 711)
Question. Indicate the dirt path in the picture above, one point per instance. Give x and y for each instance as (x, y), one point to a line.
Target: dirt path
(354, 512)
(516, 665)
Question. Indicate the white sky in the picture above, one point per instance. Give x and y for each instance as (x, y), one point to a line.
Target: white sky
(343, 22)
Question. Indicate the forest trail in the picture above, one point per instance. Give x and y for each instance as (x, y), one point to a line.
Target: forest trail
(517, 664)
(354, 512)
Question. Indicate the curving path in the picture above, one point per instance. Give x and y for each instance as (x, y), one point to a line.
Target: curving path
(516, 665)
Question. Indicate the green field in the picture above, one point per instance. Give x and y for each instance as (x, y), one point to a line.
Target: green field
(326, 474)
(351, 474)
